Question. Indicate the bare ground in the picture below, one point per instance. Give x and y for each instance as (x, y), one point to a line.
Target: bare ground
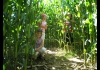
(57, 59)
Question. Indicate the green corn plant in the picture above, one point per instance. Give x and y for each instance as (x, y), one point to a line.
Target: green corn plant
(17, 29)
(92, 52)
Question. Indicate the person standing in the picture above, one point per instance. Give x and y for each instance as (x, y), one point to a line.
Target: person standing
(43, 25)
(68, 31)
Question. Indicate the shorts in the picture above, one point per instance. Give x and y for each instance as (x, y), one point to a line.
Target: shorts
(43, 35)
(41, 51)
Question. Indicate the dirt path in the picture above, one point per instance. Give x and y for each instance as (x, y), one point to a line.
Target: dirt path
(56, 60)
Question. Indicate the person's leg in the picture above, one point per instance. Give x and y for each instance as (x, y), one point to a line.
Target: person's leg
(72, 41)
(36, 54)
(43, 36)
(43, 51)
(68, 41)
(67, 37)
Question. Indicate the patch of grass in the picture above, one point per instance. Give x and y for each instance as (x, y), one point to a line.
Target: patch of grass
(69, 55)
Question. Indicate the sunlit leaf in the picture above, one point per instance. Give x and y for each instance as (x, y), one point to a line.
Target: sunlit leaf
(12, 30)
(77, 7)
(20, 28)
(78, 14)
(87, 21)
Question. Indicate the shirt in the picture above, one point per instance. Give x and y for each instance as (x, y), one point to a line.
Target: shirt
(69, 26)
(38, 42)
(43, 24)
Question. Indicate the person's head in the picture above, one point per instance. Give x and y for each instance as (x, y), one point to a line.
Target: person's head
(43, 16)
(70, 16)
(39, 33)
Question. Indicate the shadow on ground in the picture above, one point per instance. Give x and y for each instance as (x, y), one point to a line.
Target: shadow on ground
(54, 62)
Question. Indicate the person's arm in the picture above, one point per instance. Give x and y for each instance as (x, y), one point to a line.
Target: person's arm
(42, 43)
(46, 26)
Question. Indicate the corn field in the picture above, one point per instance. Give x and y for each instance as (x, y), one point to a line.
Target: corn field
(19, 26)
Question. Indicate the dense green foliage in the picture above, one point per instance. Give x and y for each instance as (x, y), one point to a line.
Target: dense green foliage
(19, 25)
